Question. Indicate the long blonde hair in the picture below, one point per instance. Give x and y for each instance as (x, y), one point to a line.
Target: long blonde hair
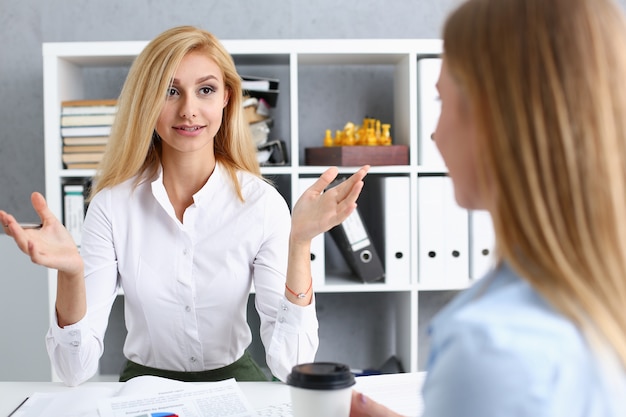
(134, 149)
(546, 79)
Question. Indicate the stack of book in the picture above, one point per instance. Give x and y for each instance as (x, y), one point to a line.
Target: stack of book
(85, 129)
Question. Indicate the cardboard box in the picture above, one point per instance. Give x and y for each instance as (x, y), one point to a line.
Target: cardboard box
(357, 155)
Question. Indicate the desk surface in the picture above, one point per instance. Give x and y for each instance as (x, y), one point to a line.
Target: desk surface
(259, 394)
(400, 392)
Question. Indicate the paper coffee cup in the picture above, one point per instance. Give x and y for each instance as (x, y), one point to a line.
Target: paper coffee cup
(321, 389)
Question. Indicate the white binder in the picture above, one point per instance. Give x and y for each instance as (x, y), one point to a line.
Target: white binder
(318, 261)
(429, 108)
(443, 235)
(482, 243)
(431, 242)
(456, 236)
(397, 226)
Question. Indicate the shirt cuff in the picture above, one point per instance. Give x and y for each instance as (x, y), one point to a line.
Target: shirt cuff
(295, 318)
(71, 336)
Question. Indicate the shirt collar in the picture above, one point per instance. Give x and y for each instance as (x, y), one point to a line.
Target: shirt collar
(214, 185)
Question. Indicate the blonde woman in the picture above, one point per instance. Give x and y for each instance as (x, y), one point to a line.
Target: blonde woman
(181, 219)
(533, 129)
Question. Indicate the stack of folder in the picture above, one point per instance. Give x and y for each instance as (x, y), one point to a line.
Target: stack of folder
(74, 209)
(260, 95)
(449, 256)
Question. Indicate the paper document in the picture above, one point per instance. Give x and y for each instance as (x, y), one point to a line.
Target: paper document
(215, 399)
(143, 396)
(401, 393)
(76, 402)
(276, 410)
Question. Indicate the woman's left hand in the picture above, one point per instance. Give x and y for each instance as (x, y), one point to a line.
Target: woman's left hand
(319, 210)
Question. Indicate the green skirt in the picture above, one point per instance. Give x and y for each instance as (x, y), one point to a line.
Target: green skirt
(243, 369)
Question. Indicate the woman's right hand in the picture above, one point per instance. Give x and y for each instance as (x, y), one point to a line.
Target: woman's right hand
(51, 246)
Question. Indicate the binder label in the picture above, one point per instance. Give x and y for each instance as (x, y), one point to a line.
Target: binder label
(355, 232)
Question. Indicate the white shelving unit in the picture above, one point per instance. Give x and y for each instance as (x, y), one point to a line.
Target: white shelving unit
(377, 319)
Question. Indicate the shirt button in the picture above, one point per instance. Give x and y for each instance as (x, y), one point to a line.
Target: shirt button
(187, 309)
(73, 333)
(75, 343)
(281, 319)
(284, 307)
(193, 359)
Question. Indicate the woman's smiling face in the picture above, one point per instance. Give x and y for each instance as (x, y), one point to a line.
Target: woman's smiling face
(194, 105)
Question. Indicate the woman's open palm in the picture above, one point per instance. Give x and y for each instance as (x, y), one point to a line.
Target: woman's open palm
(51, 246)
(320, 209)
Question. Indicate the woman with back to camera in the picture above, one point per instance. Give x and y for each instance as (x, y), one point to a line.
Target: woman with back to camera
(182, 220)
(533, 129)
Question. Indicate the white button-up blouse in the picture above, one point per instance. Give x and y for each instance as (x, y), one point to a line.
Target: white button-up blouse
(186, 285)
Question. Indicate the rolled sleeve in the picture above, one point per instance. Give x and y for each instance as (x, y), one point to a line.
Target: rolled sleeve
(294, 338)
(66, 346)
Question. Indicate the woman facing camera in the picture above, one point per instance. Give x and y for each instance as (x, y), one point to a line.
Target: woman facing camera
(181, 219)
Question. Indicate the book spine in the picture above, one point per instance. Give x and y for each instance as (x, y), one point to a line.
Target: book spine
(88, 110)
(87, 120)
(74, 210)
(73, 131)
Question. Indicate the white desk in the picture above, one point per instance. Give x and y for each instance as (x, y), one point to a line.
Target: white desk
(400, 392)
(259, 394)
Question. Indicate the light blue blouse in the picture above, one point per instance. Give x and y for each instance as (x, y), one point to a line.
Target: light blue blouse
(499, 349)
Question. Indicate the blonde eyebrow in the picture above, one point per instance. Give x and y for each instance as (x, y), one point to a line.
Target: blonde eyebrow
(198, 81)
